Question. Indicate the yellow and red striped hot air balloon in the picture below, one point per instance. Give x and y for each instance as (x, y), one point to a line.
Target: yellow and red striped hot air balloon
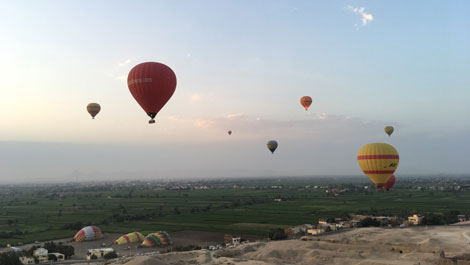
(378, 161)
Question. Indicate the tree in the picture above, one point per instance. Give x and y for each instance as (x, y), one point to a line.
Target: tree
(277, 234)
(366, 222)
(10, 258)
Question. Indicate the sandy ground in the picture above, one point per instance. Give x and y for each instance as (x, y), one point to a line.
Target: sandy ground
(364, 246)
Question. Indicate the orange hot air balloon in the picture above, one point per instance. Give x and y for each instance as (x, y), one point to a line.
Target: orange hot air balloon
(93, 109)
(152, 85)
(378, 161)
(390, 183)
(306, 101)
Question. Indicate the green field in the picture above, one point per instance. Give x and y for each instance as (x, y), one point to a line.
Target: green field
(40, 213)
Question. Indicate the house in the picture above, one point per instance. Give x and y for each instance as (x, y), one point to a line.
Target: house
(27, 260)
(98, 252)
(462, 217)
(297, 231)
(315, 231)
(230, 239)
(58, 256)
(41, 254)
(415, 219)
(322, 221)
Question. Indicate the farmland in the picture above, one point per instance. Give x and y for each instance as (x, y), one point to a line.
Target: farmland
(246, 206)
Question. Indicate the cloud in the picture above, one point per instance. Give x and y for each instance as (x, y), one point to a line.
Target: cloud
(188, 55)
(124, 63)
(365, 17)
(195, 97)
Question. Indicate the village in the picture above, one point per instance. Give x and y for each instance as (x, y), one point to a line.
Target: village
(106, 249)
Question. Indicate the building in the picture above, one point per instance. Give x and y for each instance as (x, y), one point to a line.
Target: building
(415, 219)
(41, 254)
(230, 239)
(98, 252)
(315, 231)
(27, 260)
(58, 256)
(297, 231)
(462, 217)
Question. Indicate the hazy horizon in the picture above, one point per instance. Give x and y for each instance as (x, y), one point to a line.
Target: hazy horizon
(240, 66)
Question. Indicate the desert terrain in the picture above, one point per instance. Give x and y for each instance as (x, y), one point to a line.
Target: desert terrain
(366, 246)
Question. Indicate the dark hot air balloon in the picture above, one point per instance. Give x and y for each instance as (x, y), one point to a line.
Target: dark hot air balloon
(388, 130)
(272, 146)
(93, 109)
(229, 132)
(152, 85)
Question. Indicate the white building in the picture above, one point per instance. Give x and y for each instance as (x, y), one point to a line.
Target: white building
(98, 252)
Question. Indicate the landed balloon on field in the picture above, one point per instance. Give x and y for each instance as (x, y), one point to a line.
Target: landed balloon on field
(88, 233)
(159, 239)
(272, 146)
(388, 130)
(306, 101)
(93, 109)
(378, 161)
(229, 132)
(152, 85)
(390, 183)
(129, 238)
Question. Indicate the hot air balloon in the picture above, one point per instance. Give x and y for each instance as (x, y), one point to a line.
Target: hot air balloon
(388, 130)
(152, 85)
(129, 238)
(390, 183)
(158, 239)
(93, 109)
(306, 101)
(229, 132)
(378, 161)
(88, 233)
(272, 146)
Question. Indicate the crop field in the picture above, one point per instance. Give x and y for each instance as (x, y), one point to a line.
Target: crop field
(31, 214)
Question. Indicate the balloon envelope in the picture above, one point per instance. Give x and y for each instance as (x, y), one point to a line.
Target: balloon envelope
(390, 182)
(93, 109)
(306, 101)
(378, 161)
(158, 239)
(388, 130)
(229, 132)
(272, 146)
(88, 233)
(152, 85)
(129, 238)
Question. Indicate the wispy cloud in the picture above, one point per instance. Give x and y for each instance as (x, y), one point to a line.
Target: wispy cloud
(124, 63)
(365, 17)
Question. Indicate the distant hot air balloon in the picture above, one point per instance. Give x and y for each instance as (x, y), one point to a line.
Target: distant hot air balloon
(272, 146)
(390, 182)
(378, 161)
(388, 130)
(93, 109)
(152, 85)
(306, 101)
(229, 132)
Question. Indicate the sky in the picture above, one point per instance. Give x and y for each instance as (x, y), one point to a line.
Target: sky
(240, 66)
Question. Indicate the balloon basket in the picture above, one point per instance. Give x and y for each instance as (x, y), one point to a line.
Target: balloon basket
(151, 121)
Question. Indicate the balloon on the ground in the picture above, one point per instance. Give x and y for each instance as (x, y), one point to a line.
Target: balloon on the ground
(390, 183)
(88, 233)
(272, 146)
(388, 130)
(93, 109)
(152, 85)
(306, 101)
(129, 238)
(378, 161)
(229, 132)
(158, 239)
